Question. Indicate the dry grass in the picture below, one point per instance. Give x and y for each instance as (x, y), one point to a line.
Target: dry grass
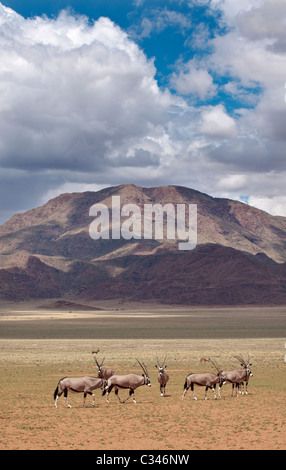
(181, 353)
(30, 370)
(32, 361)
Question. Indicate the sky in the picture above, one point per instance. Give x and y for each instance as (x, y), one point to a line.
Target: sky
(177, 92)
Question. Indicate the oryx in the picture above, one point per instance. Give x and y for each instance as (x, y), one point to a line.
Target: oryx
(206, 379)
(103, 373)
(238, 377)
(163, 376)
(84, 385)
(130, 381)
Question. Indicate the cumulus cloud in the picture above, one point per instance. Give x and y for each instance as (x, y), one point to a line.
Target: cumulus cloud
(79, 104)
(80, 107)
(251, 54)
(73, 93)
(193, 80)
(273, 205)
(232, 9)
(157, 20)
(215, 122)
(232, 183)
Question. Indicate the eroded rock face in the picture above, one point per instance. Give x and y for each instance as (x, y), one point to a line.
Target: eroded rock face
(47, 252)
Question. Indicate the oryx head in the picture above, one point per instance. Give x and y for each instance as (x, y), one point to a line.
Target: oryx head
(99, 366)
(162, 366)
(145, 375)
(245, 365)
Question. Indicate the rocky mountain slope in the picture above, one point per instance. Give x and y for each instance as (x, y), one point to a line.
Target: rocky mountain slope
(47, 252)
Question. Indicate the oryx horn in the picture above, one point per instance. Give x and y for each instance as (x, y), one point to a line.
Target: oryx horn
(241, 360)
(215, 364)
(163, 363)
(143, 367)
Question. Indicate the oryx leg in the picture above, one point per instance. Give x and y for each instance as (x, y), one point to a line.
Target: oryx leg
(131, 393)
(116, 393)
(57, 397)
(66, 397)
(213, 389)
(206, 392)
(184, 393)
(192, 389)
(58, 394)
(108, 390)
(236, 387)
(232, 389)
(84, 397)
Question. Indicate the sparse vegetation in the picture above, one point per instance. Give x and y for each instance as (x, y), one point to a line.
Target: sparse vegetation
(31, 368)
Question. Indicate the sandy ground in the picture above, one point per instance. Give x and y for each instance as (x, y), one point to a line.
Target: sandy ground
(31, 369)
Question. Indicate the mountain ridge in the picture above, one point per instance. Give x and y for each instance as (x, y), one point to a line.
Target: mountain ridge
(47, 252)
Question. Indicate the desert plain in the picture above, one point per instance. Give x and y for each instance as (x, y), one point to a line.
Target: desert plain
(40, 344)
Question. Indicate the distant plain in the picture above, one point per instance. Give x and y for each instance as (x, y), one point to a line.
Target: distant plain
(39, 346)
(150, 321)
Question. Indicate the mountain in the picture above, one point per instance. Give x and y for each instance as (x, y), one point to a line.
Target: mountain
(209, 275)
(47, 253)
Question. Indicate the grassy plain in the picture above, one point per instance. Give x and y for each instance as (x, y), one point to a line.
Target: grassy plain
(38, 347)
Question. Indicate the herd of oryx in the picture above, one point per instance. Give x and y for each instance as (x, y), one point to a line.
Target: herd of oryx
(107, 379)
